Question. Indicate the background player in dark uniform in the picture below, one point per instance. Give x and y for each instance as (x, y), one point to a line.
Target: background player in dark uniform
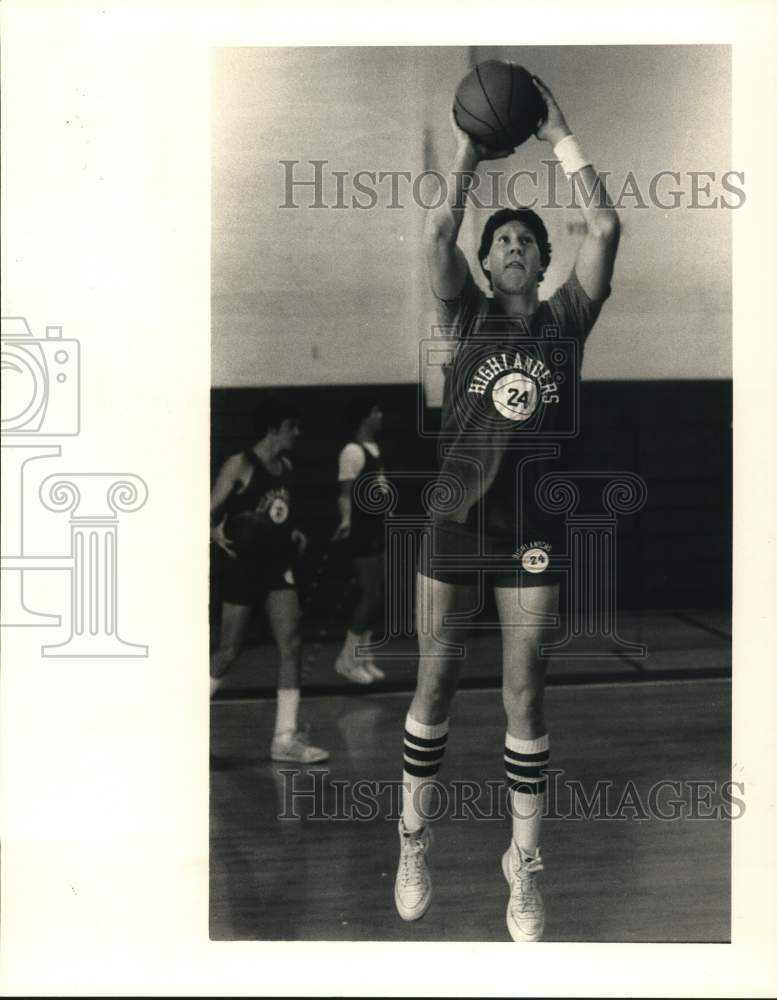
(252, 523)
(502, 384)
(364, 535)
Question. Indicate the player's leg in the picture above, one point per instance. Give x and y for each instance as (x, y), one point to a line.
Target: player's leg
(348, 664)
(283, 612)
(234, 624)
(426, 735)
(368, 570)
(370, 574)
(526, 747)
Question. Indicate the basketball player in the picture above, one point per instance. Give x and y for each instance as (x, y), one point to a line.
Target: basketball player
(252, 526)
(502, 383)
(365, 537)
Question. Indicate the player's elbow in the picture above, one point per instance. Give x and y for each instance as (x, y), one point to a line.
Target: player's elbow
(606, 226)
(438, 229)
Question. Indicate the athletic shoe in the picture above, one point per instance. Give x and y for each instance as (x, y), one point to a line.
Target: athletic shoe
(374, 671)
(369, 664)
(352, 671)
(295, 747)
(413, 884)
(525, 909)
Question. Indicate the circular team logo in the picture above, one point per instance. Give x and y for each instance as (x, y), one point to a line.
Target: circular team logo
(535, 560)
(278, 511)
(515, 396)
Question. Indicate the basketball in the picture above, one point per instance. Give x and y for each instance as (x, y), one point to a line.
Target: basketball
(251, 534)
(498, 104)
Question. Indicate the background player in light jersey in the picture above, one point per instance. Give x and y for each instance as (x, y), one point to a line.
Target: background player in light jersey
(501, 380)
(364, 535)
(252, 524)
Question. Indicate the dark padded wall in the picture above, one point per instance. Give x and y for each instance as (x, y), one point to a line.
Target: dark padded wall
(675, 553)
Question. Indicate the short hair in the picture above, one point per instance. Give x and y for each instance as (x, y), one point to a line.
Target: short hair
(529, 219)
(269, 414)
(358, 409)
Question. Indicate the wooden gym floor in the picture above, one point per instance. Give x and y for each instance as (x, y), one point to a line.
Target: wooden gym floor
(621, 875)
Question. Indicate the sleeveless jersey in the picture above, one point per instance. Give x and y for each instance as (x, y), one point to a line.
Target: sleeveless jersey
(366, 525)
(510, 402)
(268, 497)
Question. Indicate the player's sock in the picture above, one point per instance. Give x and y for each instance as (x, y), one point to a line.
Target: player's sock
(424, 750)
(525, 764)
(286, 710)
(352, 640)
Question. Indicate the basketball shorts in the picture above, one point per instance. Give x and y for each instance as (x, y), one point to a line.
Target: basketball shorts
(451, 554)
(249, 581)
(367, 543)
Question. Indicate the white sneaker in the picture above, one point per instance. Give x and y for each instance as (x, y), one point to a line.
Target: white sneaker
(367, 661)
(296, 748)
(352, 671)
(413, 884)
(374, 671)
(525, 908)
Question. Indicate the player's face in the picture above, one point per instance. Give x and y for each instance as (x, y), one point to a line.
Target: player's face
(514, 259)
(288, 433)
(376, 418)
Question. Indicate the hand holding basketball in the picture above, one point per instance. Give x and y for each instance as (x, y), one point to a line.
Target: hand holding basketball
(554, 126)
(498, 105)
(218, 538)
(478, 151)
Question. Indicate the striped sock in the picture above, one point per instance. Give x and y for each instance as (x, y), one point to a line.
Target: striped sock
(525, 763)
(424, 750)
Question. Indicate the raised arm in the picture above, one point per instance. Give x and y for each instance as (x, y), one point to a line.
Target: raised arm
(596, 256)
(446, 263)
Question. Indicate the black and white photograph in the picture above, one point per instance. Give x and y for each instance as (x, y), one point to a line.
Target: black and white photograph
(408, 365)
(472, 469)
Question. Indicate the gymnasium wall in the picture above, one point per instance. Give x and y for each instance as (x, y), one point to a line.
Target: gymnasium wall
(309, 296)
(675, 553)
(646, 109)
(321, 300)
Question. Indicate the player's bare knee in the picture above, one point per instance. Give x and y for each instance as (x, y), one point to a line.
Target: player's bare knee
(439, 643)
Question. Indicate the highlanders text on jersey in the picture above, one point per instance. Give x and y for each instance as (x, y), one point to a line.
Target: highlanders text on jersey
(511, 399)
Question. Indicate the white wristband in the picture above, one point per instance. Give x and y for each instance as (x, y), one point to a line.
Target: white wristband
(570, 155)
